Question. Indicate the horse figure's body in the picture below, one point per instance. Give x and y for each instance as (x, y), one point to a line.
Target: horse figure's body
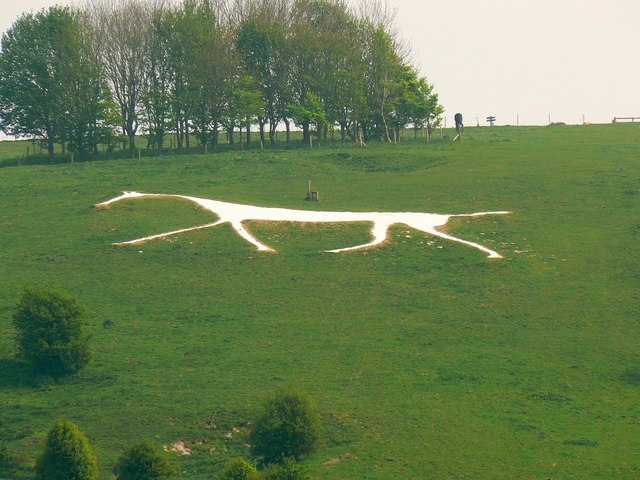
(235, 214)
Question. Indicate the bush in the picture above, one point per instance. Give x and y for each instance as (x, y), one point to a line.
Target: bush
(8, 462)
(289, 427)
(49, 333)
(143, 461)
(288, 470)
(67, 455)
(239, 469)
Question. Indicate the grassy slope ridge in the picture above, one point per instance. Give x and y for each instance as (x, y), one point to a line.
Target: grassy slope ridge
(427, 359)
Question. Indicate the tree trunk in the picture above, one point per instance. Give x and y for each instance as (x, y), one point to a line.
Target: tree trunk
(273, 124)
(288, 125)
(179, 134)
(216, 134)
(132, 140)
(306, 136)
(262, 124)
(50, 145)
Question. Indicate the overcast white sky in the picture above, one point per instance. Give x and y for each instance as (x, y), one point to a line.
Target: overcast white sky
(520, 60)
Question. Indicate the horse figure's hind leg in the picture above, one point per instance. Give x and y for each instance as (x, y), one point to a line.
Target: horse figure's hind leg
(492, 253)
(379, 233)
(167, 234)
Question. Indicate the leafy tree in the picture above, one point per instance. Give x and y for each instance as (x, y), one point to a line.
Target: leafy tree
(121, 33)
(49, 83)
(416, 103)
(157, 97)
(261, 40)
(87, 105)
(205, 68)
(383, 66)
(143, 461)
(67, 455)
(245, 104)
(309, 112)
(49, 332)
(289, 427)
(239, 469)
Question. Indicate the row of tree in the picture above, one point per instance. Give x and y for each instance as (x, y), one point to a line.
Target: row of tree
(79, 77)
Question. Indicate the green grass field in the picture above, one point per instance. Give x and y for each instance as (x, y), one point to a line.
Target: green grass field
(427, 360)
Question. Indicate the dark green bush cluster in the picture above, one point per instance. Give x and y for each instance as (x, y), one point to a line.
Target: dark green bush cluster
(49, 332)
(8, 462)
(240, 469)
(143, 461)
(67, 455)
(288, 429)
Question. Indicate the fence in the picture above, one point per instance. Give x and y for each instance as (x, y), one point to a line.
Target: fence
(516, 119)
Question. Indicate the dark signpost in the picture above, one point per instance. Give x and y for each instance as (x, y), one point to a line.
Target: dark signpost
(491, 119)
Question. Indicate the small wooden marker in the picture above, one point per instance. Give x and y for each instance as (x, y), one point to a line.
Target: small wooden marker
(310, 194)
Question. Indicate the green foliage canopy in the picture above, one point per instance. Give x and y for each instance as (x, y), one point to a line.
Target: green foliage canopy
(50, 85)
(288, 427)
(199, 65)
(287, 470)
(49, 331)
(143, 461)
(67, 455)
(239, 469)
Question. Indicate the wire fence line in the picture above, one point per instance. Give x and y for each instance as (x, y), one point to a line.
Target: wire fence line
(519, 119)
(514, 119)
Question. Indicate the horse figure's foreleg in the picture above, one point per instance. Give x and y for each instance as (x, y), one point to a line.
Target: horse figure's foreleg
(238, 227)
(167, 234)
(379, 233)
(492, 253)
(431, 229)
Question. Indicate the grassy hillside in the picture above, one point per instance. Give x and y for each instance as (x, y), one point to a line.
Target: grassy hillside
(427, 359)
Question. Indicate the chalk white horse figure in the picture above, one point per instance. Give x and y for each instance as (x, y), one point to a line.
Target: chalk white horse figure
(236, 214)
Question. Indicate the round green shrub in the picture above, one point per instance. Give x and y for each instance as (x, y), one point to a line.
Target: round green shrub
(143, 461)
(239, 469)
(288, 470)
(289, 427)
(49, 332)
(8, 462)
(67, 455)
